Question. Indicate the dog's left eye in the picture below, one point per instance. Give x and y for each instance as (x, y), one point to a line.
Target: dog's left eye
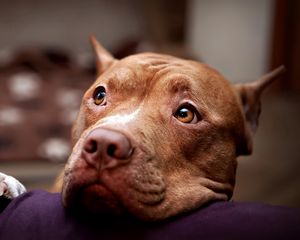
(99, 95)
(186, 114)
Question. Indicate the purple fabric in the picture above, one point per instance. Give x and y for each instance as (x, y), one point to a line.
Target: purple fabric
(40, 215)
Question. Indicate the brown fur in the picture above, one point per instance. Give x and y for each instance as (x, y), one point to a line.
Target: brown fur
(175, 167)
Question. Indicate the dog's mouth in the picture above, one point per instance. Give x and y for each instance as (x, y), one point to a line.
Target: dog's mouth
(96, 199)
(124, 191)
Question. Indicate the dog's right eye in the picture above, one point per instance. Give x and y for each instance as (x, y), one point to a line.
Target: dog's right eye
(99, 95)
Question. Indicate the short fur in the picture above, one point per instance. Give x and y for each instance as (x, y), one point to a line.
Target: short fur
(174, 167)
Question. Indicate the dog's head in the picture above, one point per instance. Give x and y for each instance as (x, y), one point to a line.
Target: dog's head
(157, 135)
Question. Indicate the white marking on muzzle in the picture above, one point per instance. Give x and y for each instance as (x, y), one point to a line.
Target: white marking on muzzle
(119, 119)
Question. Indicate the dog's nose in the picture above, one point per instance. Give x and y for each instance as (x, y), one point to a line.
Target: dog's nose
(105, 148)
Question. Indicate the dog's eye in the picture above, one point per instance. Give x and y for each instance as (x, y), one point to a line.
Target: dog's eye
(186, 114)
(99, 95)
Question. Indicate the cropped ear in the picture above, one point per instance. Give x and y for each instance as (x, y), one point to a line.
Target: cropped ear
(250, 95)
(103, 58)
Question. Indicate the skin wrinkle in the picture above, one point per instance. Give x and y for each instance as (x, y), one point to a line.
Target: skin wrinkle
(121, 84)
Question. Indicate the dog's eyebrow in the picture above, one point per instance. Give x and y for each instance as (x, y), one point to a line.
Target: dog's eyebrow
(178, 83)
(120, 80)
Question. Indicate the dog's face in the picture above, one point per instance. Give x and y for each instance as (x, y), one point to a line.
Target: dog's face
(182, 125)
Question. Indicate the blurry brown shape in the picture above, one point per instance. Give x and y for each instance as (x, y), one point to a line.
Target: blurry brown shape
(39, 60)
(40, 94)
(286, 44)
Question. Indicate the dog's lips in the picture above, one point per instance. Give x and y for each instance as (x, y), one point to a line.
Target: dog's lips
(96, 198)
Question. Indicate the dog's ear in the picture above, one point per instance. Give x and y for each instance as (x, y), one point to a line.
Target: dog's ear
(103, 58)
(250, 94)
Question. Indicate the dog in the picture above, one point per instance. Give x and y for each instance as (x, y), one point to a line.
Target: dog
(157, 136)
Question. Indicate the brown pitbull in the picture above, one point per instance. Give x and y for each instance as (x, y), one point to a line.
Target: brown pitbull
(157, 136)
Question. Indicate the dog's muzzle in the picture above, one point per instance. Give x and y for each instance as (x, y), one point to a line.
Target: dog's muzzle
(112, 175)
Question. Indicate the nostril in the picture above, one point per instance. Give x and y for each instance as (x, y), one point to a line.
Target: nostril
(91, 146)
(117, 151)
(111, 150)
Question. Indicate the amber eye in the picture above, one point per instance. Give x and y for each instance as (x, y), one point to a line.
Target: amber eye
(186, 114)
(99, 95)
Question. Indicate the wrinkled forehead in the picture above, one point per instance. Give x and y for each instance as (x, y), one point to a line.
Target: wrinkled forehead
(141, 72)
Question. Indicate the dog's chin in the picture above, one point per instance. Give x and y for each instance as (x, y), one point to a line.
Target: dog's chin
(98, 200)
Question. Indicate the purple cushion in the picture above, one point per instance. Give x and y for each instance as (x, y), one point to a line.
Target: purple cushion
(40, 215)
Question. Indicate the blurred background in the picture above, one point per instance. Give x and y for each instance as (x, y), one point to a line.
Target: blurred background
(46, 64)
